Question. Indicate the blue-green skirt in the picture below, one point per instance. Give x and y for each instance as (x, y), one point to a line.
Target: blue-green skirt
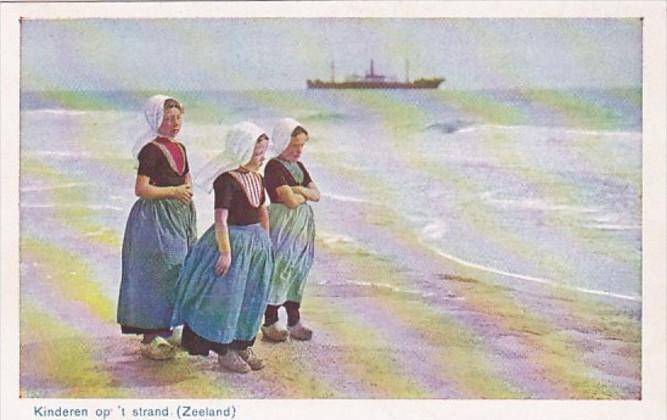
(225, 308)
(158, 236)
(293, 239)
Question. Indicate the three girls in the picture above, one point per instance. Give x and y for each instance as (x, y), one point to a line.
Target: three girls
(229, 274)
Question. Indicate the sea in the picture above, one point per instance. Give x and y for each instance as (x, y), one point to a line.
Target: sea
(516, 186)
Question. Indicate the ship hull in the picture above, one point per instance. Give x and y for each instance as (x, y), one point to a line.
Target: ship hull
(417, 84)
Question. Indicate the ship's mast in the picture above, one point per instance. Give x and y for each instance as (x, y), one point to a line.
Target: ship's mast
(407, 71)
(333, 72)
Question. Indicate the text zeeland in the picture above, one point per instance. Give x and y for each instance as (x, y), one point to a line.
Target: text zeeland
(198, 412)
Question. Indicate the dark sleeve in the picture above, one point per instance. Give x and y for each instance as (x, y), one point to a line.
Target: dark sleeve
(149, 157)
(224, 187)
(274, 176)
(263, 199)
(306, 176)
(186, 169)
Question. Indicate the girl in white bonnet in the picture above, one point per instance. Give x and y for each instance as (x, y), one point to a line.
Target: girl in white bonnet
(224, 282)
(292, 230)
(160, 229)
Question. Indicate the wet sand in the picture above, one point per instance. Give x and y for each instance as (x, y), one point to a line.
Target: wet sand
(465, 339)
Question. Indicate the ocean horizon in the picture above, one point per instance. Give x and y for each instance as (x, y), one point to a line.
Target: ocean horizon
(616, 107)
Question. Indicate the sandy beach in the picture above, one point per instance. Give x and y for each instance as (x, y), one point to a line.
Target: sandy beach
(480, 341)
(420, 287)
(462, 339)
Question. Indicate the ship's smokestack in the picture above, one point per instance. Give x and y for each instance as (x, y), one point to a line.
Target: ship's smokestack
(372, 70)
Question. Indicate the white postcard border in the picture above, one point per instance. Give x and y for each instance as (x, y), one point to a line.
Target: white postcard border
(652, 406)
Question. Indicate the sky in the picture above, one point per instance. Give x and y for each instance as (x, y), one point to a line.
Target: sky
(281, 53)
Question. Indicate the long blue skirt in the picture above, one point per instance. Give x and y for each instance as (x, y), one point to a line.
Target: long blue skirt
(225, 308)
(293, 238)
(158, 236)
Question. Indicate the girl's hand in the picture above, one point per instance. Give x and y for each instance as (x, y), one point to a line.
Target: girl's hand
(182, 193)
(223, 264)
(298, 189)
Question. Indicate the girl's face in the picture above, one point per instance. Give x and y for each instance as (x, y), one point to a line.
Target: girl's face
(259, 151)
(293, 151)
(171, 123)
